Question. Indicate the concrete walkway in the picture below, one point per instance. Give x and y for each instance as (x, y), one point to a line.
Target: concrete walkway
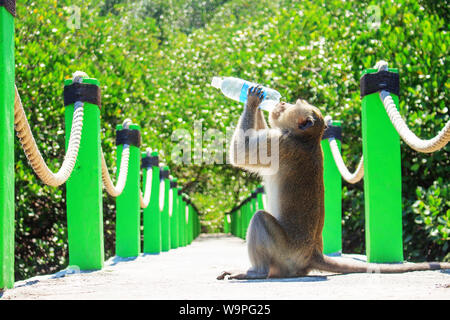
(190, 273)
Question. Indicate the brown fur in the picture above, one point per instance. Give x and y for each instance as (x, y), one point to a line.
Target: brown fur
(288, 241)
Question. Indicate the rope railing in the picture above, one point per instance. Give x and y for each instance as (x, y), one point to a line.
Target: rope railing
(31, 150)
(416, 143)
(382, 159)
(84, 170)
(39, 165)
(345, 173)
(144, 199)
(111, 189)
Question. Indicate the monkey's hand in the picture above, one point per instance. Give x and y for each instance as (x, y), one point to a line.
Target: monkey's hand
(255, 96)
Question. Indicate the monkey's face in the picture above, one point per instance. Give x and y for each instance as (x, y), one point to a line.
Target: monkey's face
(300, 118)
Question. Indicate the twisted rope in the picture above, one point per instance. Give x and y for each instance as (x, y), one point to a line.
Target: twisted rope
(420, 145)
(111, 189)
(31, 149)
(346, 175)
(145, 199)
(162, 189)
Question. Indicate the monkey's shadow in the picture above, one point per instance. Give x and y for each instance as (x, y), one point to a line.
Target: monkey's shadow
(298, 279)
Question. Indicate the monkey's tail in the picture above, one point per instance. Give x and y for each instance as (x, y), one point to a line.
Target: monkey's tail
(325, 263)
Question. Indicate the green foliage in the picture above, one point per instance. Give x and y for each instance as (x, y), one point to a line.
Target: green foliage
(155, 60)
(432, 218)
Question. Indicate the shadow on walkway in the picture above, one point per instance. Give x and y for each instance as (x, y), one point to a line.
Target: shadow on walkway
(299, 279)
(116, 259)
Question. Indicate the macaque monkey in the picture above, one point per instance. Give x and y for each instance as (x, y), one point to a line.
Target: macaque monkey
(286, 241)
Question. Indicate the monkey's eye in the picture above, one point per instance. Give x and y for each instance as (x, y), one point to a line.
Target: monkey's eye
(306, 124)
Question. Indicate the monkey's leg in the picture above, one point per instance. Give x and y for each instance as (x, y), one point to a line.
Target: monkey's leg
(268, 247)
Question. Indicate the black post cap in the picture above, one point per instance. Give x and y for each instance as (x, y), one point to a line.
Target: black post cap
(131, 137)
(148, 162)
(381, 80)
(163, 174)
(83, 92)
(9, 5)
(333, 132)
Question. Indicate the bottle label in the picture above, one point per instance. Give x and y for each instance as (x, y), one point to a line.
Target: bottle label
(244, 90)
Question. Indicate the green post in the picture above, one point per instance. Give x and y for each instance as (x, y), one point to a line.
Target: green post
(191, 223)
(195, 223)
(84, 191)
(382, 181)
(186, 230)
(332, 229)
(246, 218)
(253, 206)
(236, 222)
(188, 222)
(7, 74)
(152, 216)
(231, 214)
(185, 211)
(180, 219)
(183, 221)
(226, 223)
(128, 206)
(259, 198)
(165, 218)
(236, 225)
(243, 219)
(239, 221)
(174, 219)
(232, 222)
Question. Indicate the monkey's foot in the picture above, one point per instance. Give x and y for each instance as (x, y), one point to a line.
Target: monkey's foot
(241, 275)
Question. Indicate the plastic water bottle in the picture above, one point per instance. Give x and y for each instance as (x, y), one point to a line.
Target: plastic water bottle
(237, 89)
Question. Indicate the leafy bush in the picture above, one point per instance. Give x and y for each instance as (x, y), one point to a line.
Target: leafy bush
(432, 220)
(155, 62)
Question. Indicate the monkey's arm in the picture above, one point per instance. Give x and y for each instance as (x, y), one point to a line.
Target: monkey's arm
(261, 123)
(255, 97)
(252, 149)
(253, 118)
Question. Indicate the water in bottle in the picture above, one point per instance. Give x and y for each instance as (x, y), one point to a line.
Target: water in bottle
(237, 89)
